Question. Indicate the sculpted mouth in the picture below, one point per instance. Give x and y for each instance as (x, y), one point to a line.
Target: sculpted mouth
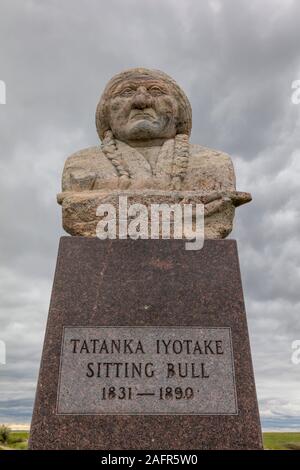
(139, 113)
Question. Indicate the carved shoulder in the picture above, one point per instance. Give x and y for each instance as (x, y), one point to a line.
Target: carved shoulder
(83, 169)
(210, 169)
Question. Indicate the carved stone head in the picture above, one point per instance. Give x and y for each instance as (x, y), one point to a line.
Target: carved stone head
(140, 104)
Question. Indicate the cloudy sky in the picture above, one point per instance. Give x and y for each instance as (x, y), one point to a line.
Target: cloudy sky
(236, 60)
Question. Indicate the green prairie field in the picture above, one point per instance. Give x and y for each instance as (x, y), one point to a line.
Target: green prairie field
(281, 440)
(18, 440)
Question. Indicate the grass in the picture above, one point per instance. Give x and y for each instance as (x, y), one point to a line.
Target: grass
(281, 440)
(18, 440)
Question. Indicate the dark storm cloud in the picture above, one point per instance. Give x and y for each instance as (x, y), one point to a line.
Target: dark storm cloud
(236, 60)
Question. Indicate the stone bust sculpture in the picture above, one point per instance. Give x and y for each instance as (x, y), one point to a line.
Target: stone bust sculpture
(144, 121)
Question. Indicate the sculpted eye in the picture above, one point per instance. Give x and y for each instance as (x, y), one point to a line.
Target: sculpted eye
(127, 92)
(155, 90)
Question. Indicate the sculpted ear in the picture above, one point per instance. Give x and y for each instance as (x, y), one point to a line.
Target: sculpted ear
(103, 117)
(180, 125)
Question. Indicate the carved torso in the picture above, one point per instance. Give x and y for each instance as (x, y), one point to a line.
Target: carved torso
(90, 169)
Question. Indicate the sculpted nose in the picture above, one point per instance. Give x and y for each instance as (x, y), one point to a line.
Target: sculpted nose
(142, 99)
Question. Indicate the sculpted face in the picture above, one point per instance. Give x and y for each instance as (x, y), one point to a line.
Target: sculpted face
(143, 108)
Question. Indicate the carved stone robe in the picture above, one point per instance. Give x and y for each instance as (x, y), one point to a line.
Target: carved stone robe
(89, 177)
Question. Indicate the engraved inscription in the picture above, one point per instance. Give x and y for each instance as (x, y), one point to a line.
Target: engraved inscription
(146, 370)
